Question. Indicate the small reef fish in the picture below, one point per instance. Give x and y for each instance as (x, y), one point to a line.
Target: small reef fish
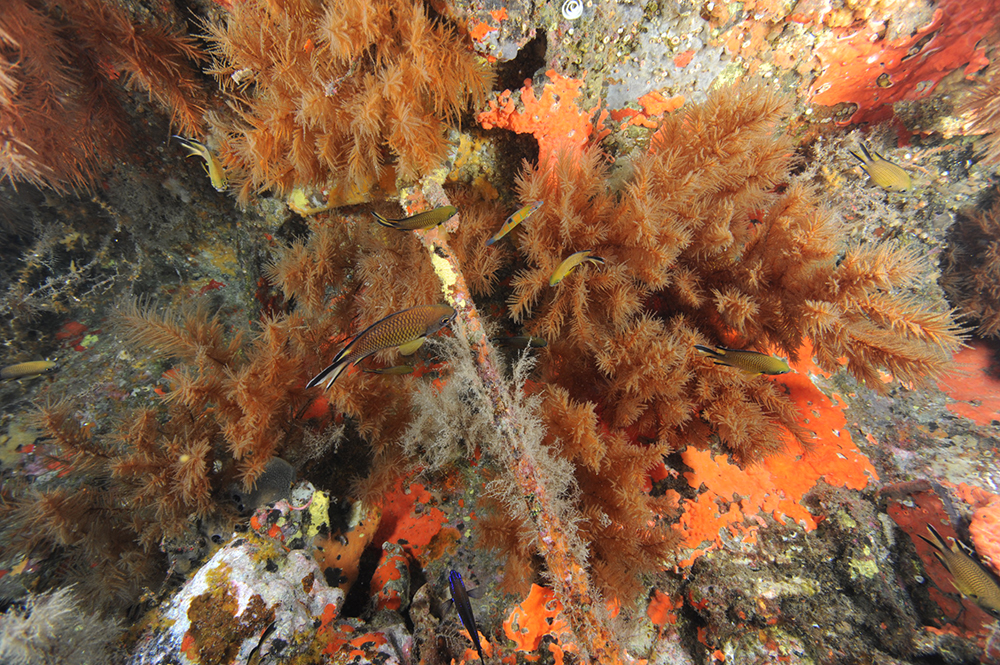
(968, 575)
(212, 166)
(520, 342)
(571, 262)
(394, 370)
(406, 329)
(461, 598)
(515, 219)
(751, 362)
(882, 172)
(28, 369)
(423, 220)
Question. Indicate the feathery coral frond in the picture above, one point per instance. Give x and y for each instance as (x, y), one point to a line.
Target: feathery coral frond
(363, 92)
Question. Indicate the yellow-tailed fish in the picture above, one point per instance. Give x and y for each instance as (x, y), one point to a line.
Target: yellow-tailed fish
(515, 219)
(392, 371)
(212, 166)
(571, 262)
(968, 575)
(882, 172)
(520, 342)
(423, 220)
(28, 369)
(750, 362)
(406, 329)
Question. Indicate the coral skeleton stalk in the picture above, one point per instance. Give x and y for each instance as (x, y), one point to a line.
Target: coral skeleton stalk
(569, 575)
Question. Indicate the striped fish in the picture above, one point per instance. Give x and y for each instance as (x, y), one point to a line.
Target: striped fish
(750, 362)
(968, 575)
(423, 220)
(406, 329)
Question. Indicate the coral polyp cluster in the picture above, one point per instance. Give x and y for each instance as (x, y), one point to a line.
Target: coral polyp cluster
(709, 241)
(332, 94)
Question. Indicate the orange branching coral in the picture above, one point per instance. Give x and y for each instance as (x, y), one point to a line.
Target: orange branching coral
(331, 93)
(970, 268)
(238, 399)
(84, 527)
(59, 114)
(708, 242)
(983, 110)
(619, 518)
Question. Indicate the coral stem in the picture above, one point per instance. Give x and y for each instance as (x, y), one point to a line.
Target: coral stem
(568, 573)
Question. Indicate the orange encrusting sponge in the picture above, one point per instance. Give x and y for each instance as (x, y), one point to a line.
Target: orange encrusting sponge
(777, 484)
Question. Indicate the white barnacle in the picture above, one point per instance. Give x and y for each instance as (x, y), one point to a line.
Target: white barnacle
(572, 9)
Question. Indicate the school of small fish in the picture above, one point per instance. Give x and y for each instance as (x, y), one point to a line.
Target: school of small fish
(407, 329)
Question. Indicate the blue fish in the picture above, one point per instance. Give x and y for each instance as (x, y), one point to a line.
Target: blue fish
(461, 598)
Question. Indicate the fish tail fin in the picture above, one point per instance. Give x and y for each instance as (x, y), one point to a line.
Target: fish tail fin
(194, 148)
(596, 259)
(492, 240)
(708, 351)
(867, 152)
(329, 374)
(938, 543)
(383, 221)
(859, 157)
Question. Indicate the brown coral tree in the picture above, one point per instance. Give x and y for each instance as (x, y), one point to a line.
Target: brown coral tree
(60, 114)
(237, 398)
(982, 108)
(708, 242)
(330, 93)
(970, 268)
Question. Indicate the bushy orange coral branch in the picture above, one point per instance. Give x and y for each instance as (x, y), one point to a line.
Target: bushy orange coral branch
(567, 570)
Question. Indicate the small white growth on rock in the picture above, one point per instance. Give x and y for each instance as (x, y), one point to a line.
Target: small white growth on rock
(572, 9)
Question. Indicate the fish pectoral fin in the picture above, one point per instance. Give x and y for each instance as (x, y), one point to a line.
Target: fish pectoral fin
(411, 347)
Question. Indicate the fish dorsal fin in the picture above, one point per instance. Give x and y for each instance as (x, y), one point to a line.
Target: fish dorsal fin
(411, 347)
